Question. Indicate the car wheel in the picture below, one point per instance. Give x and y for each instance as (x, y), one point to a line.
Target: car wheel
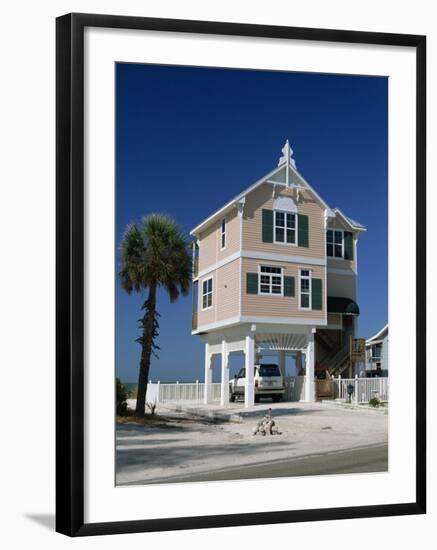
(231, 397)
(257, 398)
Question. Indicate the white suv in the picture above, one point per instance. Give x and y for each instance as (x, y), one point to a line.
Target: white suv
(267, 380)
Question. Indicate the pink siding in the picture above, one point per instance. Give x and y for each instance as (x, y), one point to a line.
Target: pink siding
(278, 306)
(252, 226)
(228, 290)
(232, 235)
(210, 250)
(208, 247)
(226, 293)
(208, 315)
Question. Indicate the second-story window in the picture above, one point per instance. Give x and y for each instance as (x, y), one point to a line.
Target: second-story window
(270, 280)
(334, 243)
(305, 289)
(207, 293)
(223, 234)
(284, 227)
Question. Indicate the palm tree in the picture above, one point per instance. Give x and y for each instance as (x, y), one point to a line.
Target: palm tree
(154, 254)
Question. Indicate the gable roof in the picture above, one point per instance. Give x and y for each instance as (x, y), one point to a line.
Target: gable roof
(356, 226)
(285, 174)
(378, 336)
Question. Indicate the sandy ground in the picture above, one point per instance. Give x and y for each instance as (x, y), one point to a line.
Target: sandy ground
(150, 453)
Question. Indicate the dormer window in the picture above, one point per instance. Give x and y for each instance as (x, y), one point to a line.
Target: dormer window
(284, 227)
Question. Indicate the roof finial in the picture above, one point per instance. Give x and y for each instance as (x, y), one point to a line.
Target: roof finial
(287, 154)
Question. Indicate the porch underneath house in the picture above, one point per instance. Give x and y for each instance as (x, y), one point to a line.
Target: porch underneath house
(253, 341)
(332, 343)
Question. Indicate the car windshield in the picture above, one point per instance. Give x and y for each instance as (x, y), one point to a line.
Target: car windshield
(269, 370)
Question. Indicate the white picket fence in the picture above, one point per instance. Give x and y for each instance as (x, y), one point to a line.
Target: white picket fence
(363, 389)
(195, 391)
(180, 391)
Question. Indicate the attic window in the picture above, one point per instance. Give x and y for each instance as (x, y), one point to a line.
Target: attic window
(284, 227)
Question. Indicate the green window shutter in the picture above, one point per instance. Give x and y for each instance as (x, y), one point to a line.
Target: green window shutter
(267, 231)
(348, 245)
(302, 230)
(252, 283)
(288, 286)
(316, 291)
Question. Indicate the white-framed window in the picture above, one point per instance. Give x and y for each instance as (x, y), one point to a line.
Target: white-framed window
(223, 234)
(271, 280)
(305, 289)
(284, 227)
(335, 243)
(207, 289)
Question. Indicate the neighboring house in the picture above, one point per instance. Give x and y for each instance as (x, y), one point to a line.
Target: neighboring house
(276, 269)
(377, 354)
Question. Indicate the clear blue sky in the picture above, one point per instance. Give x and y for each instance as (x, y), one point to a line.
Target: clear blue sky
(189, 139)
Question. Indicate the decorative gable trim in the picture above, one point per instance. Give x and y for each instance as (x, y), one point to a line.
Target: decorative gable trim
(285, 171)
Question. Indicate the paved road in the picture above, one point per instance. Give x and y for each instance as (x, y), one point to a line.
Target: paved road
(365, 459)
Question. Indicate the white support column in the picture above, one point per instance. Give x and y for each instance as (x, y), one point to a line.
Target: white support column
(224, 393)
(281, 362)
(249, 389)
(309, 370)
(207, 397)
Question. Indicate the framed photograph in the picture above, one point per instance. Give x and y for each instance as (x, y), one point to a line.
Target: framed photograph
(240, 274)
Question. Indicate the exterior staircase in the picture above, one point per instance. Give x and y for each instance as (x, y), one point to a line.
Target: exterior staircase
(337, 359)
(339, 362)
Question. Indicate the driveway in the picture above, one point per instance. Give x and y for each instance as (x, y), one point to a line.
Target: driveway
(192, 448)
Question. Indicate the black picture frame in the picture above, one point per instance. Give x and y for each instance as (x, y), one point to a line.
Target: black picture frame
(70, 273)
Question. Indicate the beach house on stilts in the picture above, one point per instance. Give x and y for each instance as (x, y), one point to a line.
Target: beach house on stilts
(275, 269)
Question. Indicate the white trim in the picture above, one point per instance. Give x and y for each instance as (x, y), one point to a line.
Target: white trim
(203, 294)
(285, 204)
(264, 179)
(310, 290)
(282, 258)
(348, 221)
(233, 202)
(338, 271)
(217, 324)
(281, 275)
(233, 321)
(219, 264)
(283, 320)
(262, 256)
(378, 335)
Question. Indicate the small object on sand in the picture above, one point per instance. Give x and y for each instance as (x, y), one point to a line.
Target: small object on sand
(266, 425)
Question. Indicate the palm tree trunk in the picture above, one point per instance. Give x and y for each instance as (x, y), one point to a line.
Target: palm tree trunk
(149, 322)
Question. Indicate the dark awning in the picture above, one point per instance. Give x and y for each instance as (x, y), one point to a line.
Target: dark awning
(342, 305)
